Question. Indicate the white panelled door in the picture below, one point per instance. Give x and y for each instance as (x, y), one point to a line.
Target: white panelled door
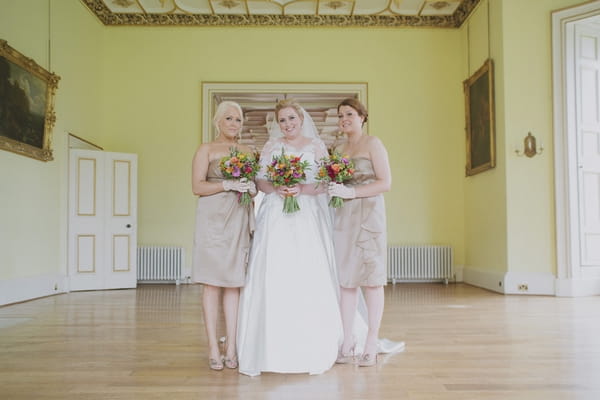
(587, 54)
(102, 220)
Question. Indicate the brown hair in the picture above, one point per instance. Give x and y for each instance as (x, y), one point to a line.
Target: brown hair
(357, 105)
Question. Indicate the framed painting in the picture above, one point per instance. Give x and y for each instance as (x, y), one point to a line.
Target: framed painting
(480, 122)
(26, 105)
(258, 102)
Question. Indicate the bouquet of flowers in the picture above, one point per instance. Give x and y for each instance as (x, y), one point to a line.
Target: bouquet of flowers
(335, 168)
(239, 165)
(287, 170)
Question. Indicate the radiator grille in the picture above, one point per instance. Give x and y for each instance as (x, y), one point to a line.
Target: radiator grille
(160, 264)
(421, 263)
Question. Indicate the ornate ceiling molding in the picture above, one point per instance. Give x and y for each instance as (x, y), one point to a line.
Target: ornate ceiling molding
(109, 18)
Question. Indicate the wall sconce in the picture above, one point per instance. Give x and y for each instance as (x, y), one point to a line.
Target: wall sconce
(529, 147)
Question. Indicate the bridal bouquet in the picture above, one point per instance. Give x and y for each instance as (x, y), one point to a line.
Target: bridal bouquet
(287, 170)
(239, 165)
(335, 168)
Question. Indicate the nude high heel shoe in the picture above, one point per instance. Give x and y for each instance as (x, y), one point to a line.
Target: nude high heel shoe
(215, 365)
(231, 363)
(367, 360)
(345, 358)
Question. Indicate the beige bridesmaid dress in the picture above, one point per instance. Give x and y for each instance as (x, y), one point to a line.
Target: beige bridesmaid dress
(360, 238)
(223, 236)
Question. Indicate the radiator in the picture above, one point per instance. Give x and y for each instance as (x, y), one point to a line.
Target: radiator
(159, 264)
(421, 263)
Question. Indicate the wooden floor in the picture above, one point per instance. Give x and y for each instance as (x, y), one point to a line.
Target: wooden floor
(462, 343)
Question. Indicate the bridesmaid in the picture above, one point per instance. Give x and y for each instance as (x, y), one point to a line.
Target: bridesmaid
(360, 230)
(223, 230)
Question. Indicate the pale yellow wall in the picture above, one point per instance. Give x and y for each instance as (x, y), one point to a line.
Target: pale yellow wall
(133, 89)
(153, 104)
(509, 211)
(485, 193)
(29, 193)
(528, 102)
(33, 196)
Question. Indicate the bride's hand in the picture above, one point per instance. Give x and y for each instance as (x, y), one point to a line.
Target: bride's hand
(287, 191)
(294, 190)
(281, 191)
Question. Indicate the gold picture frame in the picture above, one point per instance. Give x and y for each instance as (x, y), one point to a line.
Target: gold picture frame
(480, 120)
(26, 105)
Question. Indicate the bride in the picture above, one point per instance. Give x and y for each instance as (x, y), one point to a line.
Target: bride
(289, 318)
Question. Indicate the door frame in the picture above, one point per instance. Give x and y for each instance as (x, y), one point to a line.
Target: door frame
(570, 281)
(113, 267)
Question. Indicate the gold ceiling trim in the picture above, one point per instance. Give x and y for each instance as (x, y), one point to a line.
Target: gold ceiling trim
(107, 17)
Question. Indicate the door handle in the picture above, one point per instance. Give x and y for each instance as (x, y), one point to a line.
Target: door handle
(128, 226)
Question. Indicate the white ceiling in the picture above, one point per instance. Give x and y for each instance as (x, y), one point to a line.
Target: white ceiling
(448, 13)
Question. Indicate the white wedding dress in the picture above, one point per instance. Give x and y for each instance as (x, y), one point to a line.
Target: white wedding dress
(289, 319)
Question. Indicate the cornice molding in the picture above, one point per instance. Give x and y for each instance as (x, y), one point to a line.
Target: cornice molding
(109, 18)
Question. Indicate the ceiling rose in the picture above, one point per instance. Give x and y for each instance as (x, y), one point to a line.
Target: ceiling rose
(438, 5)
(334, 4)
(229, 3)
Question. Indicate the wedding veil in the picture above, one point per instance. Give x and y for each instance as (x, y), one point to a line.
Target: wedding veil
(308, 127)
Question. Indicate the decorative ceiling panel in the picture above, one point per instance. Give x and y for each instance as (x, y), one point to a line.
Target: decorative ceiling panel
(371, 7)
(299, 8)
(341, 13)
(263, 8)
(440, 7)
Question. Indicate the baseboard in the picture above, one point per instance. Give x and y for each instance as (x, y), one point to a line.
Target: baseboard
(490, 280)
(187, 276)
(578, 287)
(511, 282)
(22, 289)
(459, 273)
(535, 283)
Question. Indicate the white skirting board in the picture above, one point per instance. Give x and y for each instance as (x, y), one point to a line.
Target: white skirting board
(511, 282)
(490, 280)
(539, 283)
(22, 289)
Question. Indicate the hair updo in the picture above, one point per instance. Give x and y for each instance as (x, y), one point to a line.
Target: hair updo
(287, 103)
(361, 110)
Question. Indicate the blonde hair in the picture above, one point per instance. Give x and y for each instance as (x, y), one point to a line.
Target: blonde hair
(287, 103)
(220, 112)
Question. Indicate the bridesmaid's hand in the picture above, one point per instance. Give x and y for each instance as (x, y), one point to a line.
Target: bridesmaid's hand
(238, 185)
(342, 191)
(251, 188)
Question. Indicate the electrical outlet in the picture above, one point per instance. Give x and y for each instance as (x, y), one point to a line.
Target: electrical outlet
(523, 287)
